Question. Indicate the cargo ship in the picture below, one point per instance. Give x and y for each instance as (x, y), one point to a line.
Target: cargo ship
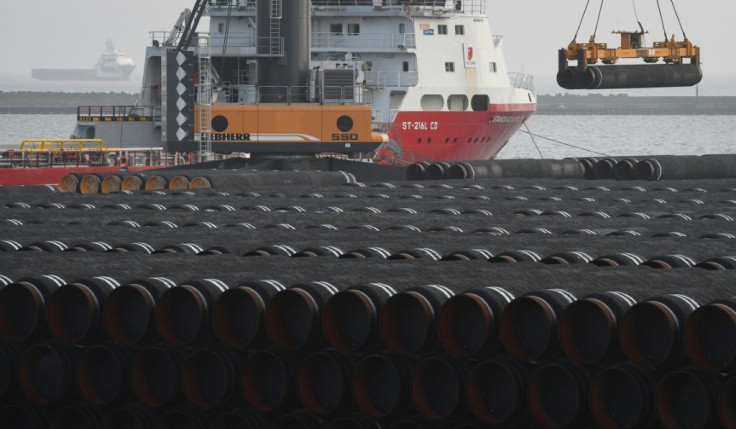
(112, 65)
(396, 81)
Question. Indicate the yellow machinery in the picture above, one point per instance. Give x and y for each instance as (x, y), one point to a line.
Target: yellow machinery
(680, 67)
(670, 51)
(294, 128)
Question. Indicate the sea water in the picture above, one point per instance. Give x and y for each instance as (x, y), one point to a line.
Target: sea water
(554, 136)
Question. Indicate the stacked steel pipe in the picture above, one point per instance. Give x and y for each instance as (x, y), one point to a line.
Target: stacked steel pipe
(650, 168)
(497, 302)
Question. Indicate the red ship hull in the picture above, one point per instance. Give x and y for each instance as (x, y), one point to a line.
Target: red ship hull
(451, 136)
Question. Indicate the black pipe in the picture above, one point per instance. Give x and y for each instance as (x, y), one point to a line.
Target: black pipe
(47, 373)
(129, 417)
(625, 169)
(239, 313)
(408, 319)
(687, 398)
(650, 331)
(23, 307)
(467, 323)
(568, 168)
(323, 382)
(686, 167)
(9, 367)
(293, 316)
(588, 328)
(528, 326)
(183, 419)
(129, 314)
(354, 421)
(241, 418)
(630, 76)
(78, 416)
(622, 396)
(381, 385)
(709, 335)
(23, 416)
(298, 420)
(727, 404)
(183, 313)
(267, 380)
(496, 392)
(244, 179)
(604, 169)
(415, 422)
(154, 375)
(74, 312)
(417, 171)
(558, 395)
(102, 374)
(438, 388)
(437, 171)
(350, 318)
(209, 377)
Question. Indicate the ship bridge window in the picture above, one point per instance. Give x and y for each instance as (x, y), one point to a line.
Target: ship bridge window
(432, 102)
(459, 30)
(336, 28)
(480, 102)
(353, 29)
(402, 28)
(449, 67)
(457, 102)
(405, 66)
(442, 29)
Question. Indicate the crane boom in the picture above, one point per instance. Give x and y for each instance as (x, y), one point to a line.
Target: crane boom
(190, 28)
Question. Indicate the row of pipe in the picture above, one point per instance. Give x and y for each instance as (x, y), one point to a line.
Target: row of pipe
(663, 327)
(502, 168)
(650, 168)
(197, 179)
(660, 167)
(384, 387)
(378, 252)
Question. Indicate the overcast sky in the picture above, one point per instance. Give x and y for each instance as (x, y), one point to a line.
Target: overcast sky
(72, 33)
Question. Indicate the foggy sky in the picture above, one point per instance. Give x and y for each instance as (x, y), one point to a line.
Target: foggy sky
(72, 33)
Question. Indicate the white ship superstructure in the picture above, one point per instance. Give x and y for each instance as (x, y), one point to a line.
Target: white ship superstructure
(431, 72)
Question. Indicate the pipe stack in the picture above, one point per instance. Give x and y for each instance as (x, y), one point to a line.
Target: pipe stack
(648, 168)
(496, 302)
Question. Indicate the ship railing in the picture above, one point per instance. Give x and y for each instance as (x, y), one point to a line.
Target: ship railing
(373, 42)
(238, 39)
(242, 4)
(305, 95)
(118, 113)
(522, 81)
(463, 6)
(50, 153)
(382, 79)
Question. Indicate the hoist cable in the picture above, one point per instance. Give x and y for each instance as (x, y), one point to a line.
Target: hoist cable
(661, 18)
(598, 20)
(684, 36)
(581, 21)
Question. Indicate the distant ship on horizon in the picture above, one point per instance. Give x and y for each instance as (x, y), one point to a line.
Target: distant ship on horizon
(112, 65)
